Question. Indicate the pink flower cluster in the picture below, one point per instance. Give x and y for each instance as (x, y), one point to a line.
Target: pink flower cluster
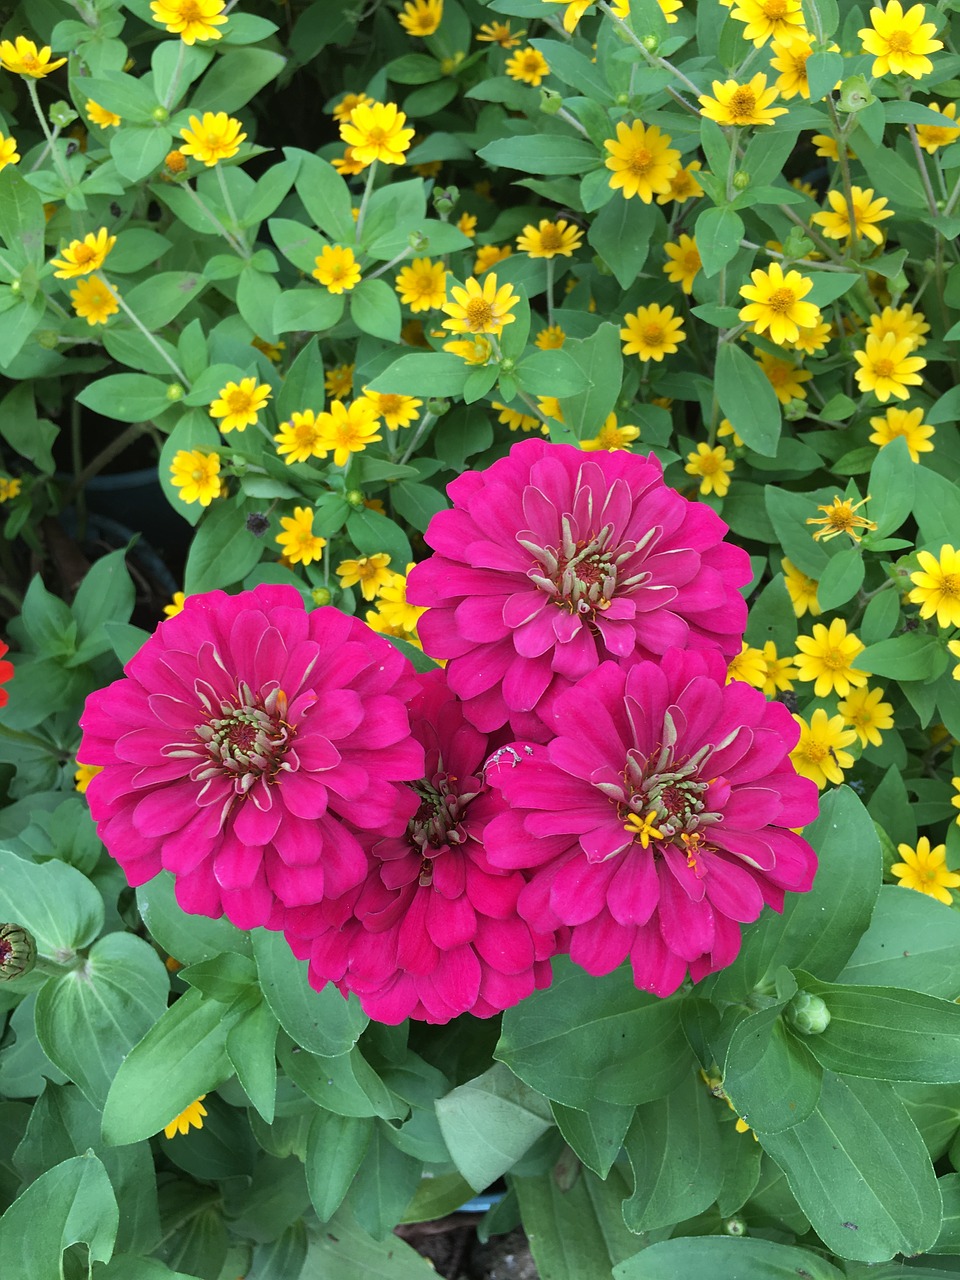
(578, 779)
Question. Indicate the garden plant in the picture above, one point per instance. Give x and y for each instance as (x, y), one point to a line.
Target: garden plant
(480, 588)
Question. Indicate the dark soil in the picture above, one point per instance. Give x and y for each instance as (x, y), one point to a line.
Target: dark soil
(451, 1245)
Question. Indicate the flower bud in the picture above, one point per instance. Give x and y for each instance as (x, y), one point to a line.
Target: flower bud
(622, 99)
(354, 497)
(16, 287)
(18, 952)
(445, 198)
(62, 114)
(855, 94)
(735, 1227)
(47, 338)
(808, 1014)
(795, 410)
(160, 114)
(438, 407)
(741, 180)
(651, 43)
(507, 365)
(418, 242)
(550, 102)
(797, 245)
(321, 596)
(174, 391)
(257, 524)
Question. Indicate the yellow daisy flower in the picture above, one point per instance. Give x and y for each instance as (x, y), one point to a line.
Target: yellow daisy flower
(933, 136)
(369, 572)
(9, 489)
(422, 285)
(867, 212)
(641, 161)
(94, 300)
(778, 673)
(748, 666)
(743, 105)
(467, 223)
(529, 66)
(190, 1118)
(100, 115)
(652, 332)
(472, 350)
(726, 428)
(713, 466)
(937, 586)
(347, 165)
(499, 33)
(191, 20)
(517, 421)
(683, 262)
(336, 268)
(375, 131)
(81, 257)
(196, 475)
(488, 255)
(775, 303)
(683, 185)
(820, 754)
(421, 17)
(900, 41)
(840, 517)
(770, 20)
(84, 774)
(23, 58)
(902, 322)
(550, 339)
(348, 429)
(790, 57)
(213, 138)
(611, 437)
(395, 410)
(550, 239)
(887, 368)
(786, 379)
(8, 152)
(300, 439)
(954, 647)
(239, 404)
(907, 423)
(300, 545)
(393, 606)
(801, 589)
(338, 381)
(346, 104)
(925, 870)
(864, 710)
(814, 338)
(480, 308)
(825, 657)
(575, 9)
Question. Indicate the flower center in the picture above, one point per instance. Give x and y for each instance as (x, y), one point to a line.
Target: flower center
(551, 240)
(884, 368)
(531, 62)
(663, 799)
(83, 254)
(781, 300)
(640, 161)
(376, 134)
(238, 401)
(479, 314)
(708, 463)
(899, 41)
(815, 752)
(691, 262)
(653, 335)
(775, 9)
(190, 11)
(743, 103)
(834, 660)
(950, 585)
(248, 740)
(390, 403)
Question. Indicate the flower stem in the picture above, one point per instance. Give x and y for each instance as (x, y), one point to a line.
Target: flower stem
(365, 201)
(423, 425)
(145, 331)
(231, 240)
(51, 140)
(550, 291)
(387, 265)
(240, 238)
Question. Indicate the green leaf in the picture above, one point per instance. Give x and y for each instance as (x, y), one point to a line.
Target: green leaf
(600, 360)
(345, 1249)
(22, 220)
(596, 1134)
(860, 1172)
(187, 939)
(937, 508)
(674, 1150)
(336, 1146)
(182, 1056)
(718, 234)
(913, 656)
(237, 76)
(819, 930)
(948, 1240)
(588, 1039)
(912, 942)
(890, 173)
(722, 1258)
(223, 550)
(621, 233)
(892, 489)
(437, 373)
(258, 293)
(225, 977)
(251, 1048)
(576, 1232)
(490, 1122)
(127, 397)
(574, 68)
(69, 1204)
(313, 310)
(841, 579)
(136, 249)
(303, 385)
(551, 373)
(417, 503)
(550, 153)
(320, 1021)
(106, 594)
(770, 1076)
(54, 902)
(375, 309)
(139, 150)
(160, 299)
(747, 399)
(346, 1084)
(89, 1020)
(384, 1185)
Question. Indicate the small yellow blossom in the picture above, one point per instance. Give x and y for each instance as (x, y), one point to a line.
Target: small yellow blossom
(9, 488)
(712, 466)
(907, 423)
(375, 131)
(488, 255)
(8, 151)
(175, 606)
(887, 368)
(867, 212)
(100, 115)
(212, 138)
(84, 774)
(778, 674)
(239, 404)
(550, 239)
(748, 666)
(801, 589)
(94, 300)
(551, 338)
(81, 257)
(900, 41)
(529, 66)
(196, 475)
(467, 223)
(341, 111)
(499, 33)
(299, 543)
(775, 302)
(190, 1118)
(937, 586)
(191, 20)
(300, 438)
(369, 572)
(422, 285)
(395, 410)
(787, 379)
(517, 421)
(933, 136)
(840, 517)
(903, 322)
(652, 332)
(683, 185)
(393, 606)
(611, 437)
(770, 20)
(348, 429)
(820, 754)
(23, 58)
(641, 161)
(336, 268)
(480, 308)
(338, 381)
(926, 870)
(825, 658)
(864, 710)
(743, 105)
(683, 262)
(421, 17)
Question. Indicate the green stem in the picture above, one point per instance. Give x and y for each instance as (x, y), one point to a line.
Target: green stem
(232, 241)
(237, 232)
(51, 141)
(550, 291)
(57, 968)
(168, 359)
(423, 426)
(387, 265)
(368, 188)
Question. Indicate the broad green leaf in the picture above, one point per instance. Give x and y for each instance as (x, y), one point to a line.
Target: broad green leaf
(126, 1266)
(22, 220)
(283, 1258)
(718, 234)
(948, 1240)
(621, 233)
(589, 1039)
(237, 76)
(913, 656)
(601, 363)
(674, 1150)
(489, 1122)
(937, 508)
(841, 579)
(913, 942)
(375, 309)
(819, 930)
(747, 399)
(107, 594)
(417, 503)
(438, 373)
(188, 939)
(160, 299)
(223, 550)
(577, 1232)
(336, 1146)
(383, 1186)
(346, 1085)
(554, 373)
(72, 1203)
(258, 293)
(770, 1076)
(54, 902)
(595, 1133)
(345, 1249)
(126, 397)
(722, 1258)
(311, 310)
(182, 1056)
(251, 1048)
(303, 385)
(319, 1021)
(139, 150)
(89, 1019)
(860, 1172)
(541, 153)
(892, 488)
(222, 1148)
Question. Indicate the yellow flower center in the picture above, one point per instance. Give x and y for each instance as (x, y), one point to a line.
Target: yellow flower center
(305, 433)
(390, 403)
(778, 373)
(884, 368)
(376, 134)
(479, 314)
(238, 401)
(83, 254)
(708, 464)
(551, 240)
(834, 660)
(653, 335)
(640, 161)
(841, 519)
(781, 300)
(775, 9)
(900, 41)
(691, 262)
(743, 103)
(950, 585)
(190, 11)
(815, 752)
(531, 61)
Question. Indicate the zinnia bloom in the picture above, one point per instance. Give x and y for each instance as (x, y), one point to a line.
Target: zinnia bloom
(774, 302)
(240, 733)
(239, 403)
(214, 138)
(375, 131)
(926, 870)
(23, 58)
(641, 160)
(937, 586)
(6, 673)
(94, 300)
(433, 931)
(742, 105)
(657, 820)
(552, 561)
(81, 257)
(900, 41)
(191, 20)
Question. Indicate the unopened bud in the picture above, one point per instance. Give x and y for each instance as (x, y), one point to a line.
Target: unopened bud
(16, 288)
(47, 338)
(160, 114)
(174, 391)
(507, 365)
(445, 198)
(651, 43)
(354, 497)
(62, 114)
(795, 410)
(622, 99)
(550, 102)
(797, 245)
(741, 180)
(855, 95)
(18, 952)
(808, 1014)
(418, 242)
(321, 595)
(735, 1227)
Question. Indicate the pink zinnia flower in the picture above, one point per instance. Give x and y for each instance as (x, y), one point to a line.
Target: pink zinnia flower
(657, 820)
(433, 932)
(241, 732)
(552, 561)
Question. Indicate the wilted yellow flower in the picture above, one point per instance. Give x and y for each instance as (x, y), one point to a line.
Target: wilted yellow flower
(840, 517)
